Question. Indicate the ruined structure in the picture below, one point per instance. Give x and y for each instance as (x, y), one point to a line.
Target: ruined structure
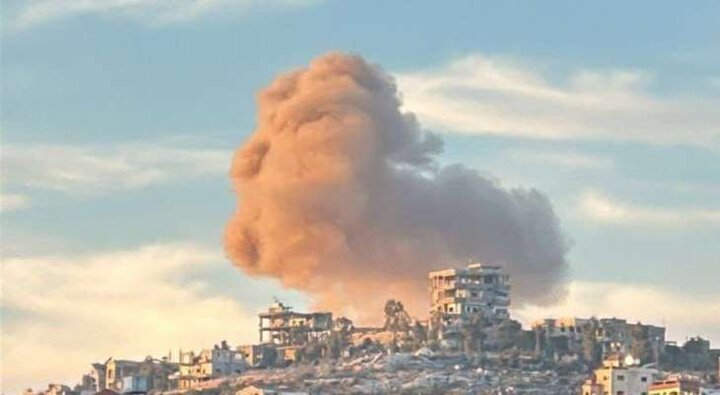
(117, 369)
(459, 295)
(220, 361)
(281, 325)
(569, 335)
(288, 330)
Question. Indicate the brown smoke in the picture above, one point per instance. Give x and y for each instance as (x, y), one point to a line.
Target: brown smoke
(340, 195)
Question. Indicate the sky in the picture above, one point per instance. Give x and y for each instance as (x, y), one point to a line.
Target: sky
(119, 119)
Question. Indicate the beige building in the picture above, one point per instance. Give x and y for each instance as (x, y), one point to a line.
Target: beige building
(620, 377)
(282, 326)
(258, 354)
(116, 369)
(458, 294)
(675, 386)
(211, 364)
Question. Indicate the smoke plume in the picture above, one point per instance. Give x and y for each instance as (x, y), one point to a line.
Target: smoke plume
(340, 195)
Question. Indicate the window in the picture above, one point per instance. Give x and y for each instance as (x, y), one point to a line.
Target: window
(621, 393)
(643, 379)
(620, 377)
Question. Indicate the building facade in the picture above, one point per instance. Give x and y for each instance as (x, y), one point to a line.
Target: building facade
(618, 377)
(675, 386)
(282, 326)
(614, 336)
(459, 294)
(117, 369)
(210, 364)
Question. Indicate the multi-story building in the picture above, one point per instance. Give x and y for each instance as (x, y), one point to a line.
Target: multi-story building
(458, 294)
(117, 369)
(210, 364)
(262, 355)
(282, 326)
(98, 375)
(619, 377)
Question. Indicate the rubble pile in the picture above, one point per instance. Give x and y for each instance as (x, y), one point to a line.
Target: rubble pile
(418, 373)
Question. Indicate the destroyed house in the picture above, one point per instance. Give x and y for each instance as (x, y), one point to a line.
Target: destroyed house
(282, 326)
(475, 289)
(209, 364)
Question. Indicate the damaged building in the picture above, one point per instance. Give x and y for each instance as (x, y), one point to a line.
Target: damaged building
(289, 330)
(209, 364)
(566, 335)
(458, 295)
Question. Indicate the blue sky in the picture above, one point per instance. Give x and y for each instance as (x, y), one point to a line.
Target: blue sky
(119, 118)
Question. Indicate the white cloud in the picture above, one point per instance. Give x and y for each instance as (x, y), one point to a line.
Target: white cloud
(485, 95)
(596, 207)
(91, 170)
(570, 159)
(36, 12)
(682, 311)
(13, 202)
(62, 313)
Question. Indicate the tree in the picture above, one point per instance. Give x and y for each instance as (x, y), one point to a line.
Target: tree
(396, 318)
(508, 334)
(419, 335)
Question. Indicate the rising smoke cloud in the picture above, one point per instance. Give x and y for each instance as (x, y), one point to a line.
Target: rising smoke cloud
(340, 195)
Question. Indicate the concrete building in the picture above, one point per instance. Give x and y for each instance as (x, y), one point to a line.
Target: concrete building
(137, 384)
(282, 326)
(620, 377)
(211, 364)
(116, 369)
(614, 335)
(98, 375)
(458, 294)
(259, 355)
(675, 386)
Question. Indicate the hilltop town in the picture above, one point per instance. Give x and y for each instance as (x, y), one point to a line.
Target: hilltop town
(468, 343)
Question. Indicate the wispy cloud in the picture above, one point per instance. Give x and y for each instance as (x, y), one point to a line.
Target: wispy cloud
(491, 95)
(684, 314)
(564, 158)
(96, 169)
(13, 201)
(69, 311)
(597, 207)
(35, 12)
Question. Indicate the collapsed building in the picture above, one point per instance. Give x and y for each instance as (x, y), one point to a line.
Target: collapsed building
(209, 364)
(129, 376)
(610, 336)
